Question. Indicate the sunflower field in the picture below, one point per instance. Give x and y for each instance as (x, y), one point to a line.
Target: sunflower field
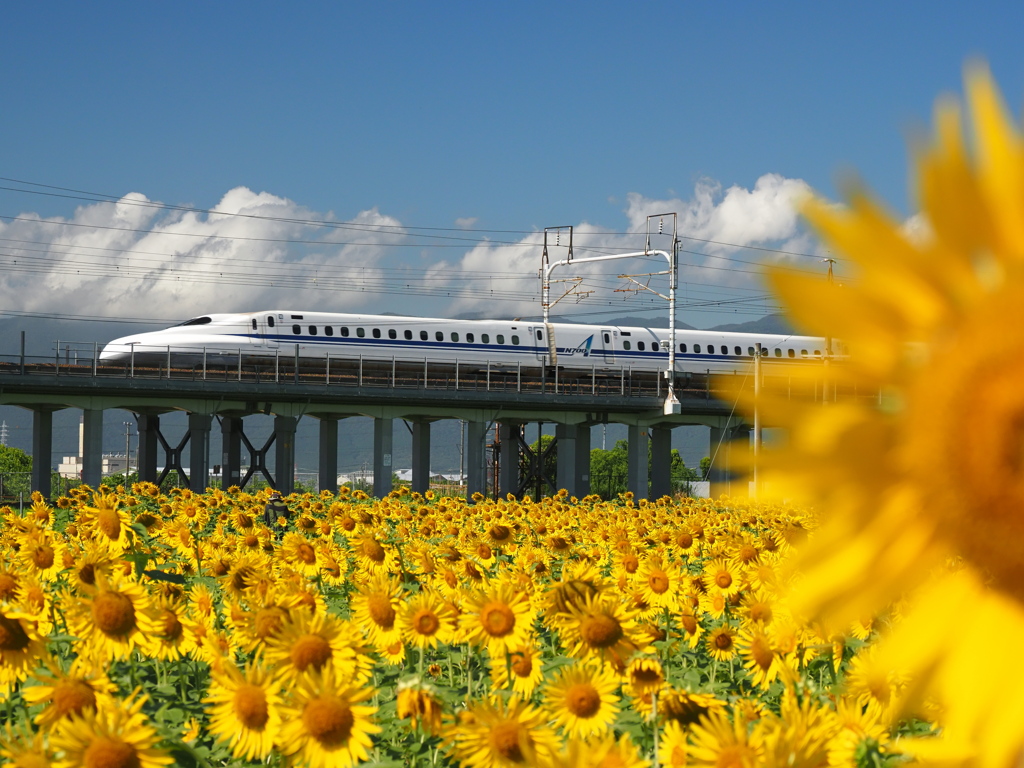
(143, 629)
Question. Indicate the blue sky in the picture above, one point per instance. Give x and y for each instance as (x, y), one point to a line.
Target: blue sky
(485, 116)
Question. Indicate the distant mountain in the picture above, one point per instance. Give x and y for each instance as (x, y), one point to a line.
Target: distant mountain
(767, 324)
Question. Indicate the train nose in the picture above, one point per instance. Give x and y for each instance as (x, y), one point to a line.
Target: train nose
(117, 350)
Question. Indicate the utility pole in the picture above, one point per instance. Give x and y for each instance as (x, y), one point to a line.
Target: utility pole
(828, 340)
(127, 449)
(757, 417)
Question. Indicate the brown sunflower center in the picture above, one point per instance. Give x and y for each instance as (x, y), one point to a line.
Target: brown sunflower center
(113, 613)
(522, 663)
(723, 579)
(110, 752)
(373, 550)
(12, 635)
(723, 641)
(72, 696)
(8, 586)
(42, 556)
(251, 706)
(497, 618)
(484, 552)
(268, 621)
(251, 540)
(761, 612)
(747, 553)
(689, 623)
(583, 700)
(630, 563)
(684, 541)
(240, 579)
(601, 630)
(646, 676)
(658, 582)
(329, 720)
(310, 651)
(761, 653)
(305, 553)
(425, 622)
(170, 626)
(499, 533)
(378, 605)
(109, 522)
(506, 741)
(244, 521)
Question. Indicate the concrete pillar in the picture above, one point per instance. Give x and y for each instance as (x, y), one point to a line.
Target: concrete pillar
(421, 456)
(328, 468)
(42, 448)
(383, 437)
(199, 451)
(567, 473)
(476, 458)
(508, 458)
(583, 461)
(149, 427)
(92, 447)
(637, 462)
(284, 453)
(661, 462)
(723, 479)
(231, 455)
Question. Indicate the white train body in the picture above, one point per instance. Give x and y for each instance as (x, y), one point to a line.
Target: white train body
(387, 338)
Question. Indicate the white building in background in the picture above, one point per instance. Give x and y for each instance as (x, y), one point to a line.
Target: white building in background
(71, 467)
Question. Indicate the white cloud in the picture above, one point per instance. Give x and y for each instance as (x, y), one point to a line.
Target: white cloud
(466, 222)
(122, 258)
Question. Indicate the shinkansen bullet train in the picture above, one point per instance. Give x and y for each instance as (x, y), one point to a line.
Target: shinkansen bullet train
(386, 338)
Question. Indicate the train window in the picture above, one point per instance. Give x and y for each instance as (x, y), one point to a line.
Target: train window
(792, 353)
(328, 330)
(424, 335)
(817, 353)
(750, 351)
(803, 353)
(455, 336)
(738, 350)
(196, 321)
(360, 332)
(254, 323)
(500, 338)
(439, 336)
(725, 350)
(607, 339)
(296, 329)
(469, 337)
(696, 348)
(485, 338)
(270, 320)
(392, 333)
(540, 335)
(641, 346)
(344, 331)
(312, 330)
(408, 335)
(778, 352)
(515, 340)
(682, 348)
(626, 344)
(376, 333)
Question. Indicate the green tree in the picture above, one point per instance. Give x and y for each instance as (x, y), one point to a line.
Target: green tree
(15, 472)
(705, 467)
(609, 471)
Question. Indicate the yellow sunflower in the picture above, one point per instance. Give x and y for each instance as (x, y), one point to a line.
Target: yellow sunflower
(521, 669)
(420, 703)
(245, 709)
(21, 646)
(601, 628)
(307, 643)
(425, 619)
(500, 734)
(300, 553)
(117, 735)
(21, 748)
(933, 327)
(759, 658)
(326, 723)
(499, 618)
(105, 523)
(112, 622)
(581, 699)
(721, 642)
(374, 608)
(71, 693)
(715, 741)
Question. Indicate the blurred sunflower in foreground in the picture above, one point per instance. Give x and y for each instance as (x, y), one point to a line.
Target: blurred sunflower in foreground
(922, 484)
